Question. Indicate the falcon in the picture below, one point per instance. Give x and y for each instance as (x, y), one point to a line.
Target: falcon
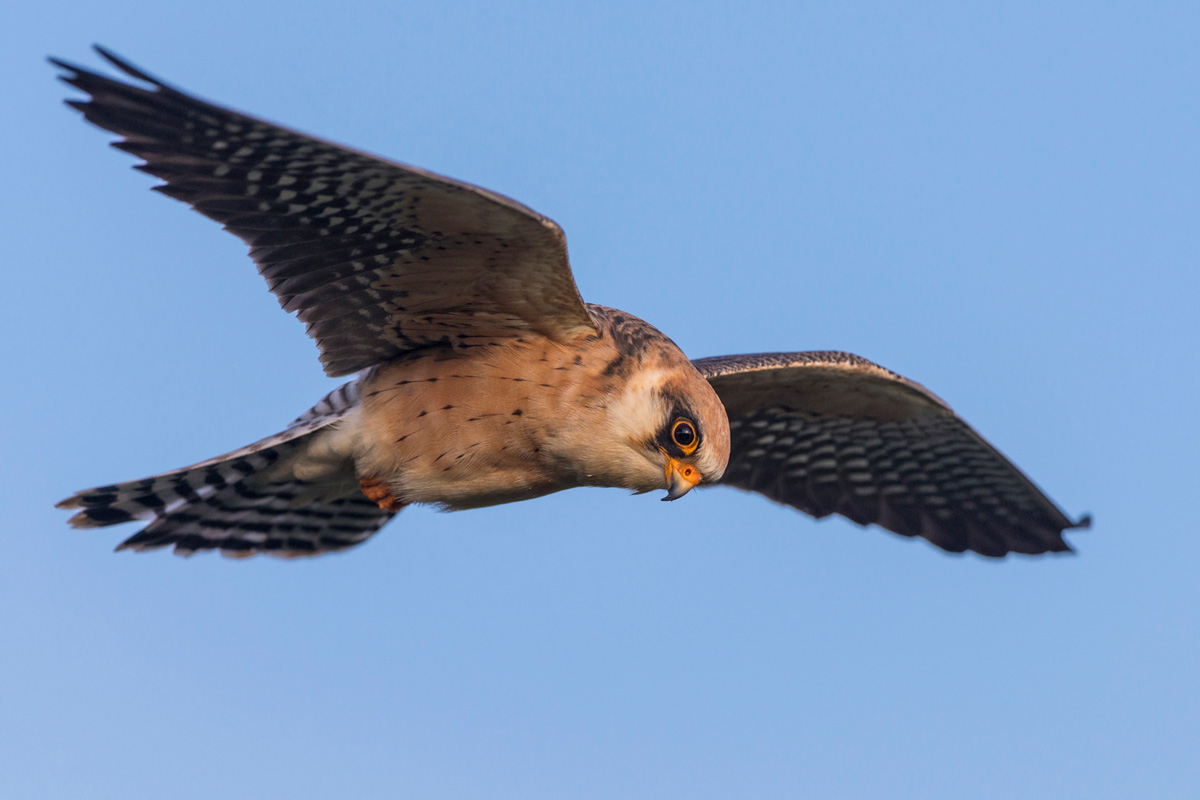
(483, 377)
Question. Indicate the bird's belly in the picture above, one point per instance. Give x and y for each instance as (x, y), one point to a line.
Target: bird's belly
(460, 432)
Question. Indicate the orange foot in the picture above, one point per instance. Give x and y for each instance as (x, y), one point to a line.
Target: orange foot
(378, 492)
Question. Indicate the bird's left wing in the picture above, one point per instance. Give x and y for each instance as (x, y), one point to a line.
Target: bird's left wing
(377, 258)
(832, 433)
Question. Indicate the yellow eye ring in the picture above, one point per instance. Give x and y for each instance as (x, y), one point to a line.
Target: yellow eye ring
(683, 434)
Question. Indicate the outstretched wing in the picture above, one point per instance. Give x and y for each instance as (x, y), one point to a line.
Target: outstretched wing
(377, 258)
(832, 433)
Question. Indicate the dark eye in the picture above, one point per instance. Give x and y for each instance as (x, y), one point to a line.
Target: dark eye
(684, 435)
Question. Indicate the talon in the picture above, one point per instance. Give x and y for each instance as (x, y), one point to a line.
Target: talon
(378, 493)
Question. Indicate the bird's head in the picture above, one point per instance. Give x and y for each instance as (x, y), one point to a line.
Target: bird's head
(692, 437)
(665, 428)
(648, 419)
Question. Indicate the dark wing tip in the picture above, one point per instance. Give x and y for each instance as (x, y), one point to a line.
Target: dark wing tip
(72, 73)
(124, 66)
(67, 65)
(1083, 523)
(127, 68)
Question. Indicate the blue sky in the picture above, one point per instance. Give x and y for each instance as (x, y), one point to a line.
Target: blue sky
(999, 203)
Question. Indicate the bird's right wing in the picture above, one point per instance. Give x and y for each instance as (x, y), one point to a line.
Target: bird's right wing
(378, 258)
(832, 433)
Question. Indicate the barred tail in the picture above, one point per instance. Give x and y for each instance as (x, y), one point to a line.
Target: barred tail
(240, 521)
(241, 503)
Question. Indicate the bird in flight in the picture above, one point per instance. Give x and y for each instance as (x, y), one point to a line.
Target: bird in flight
(484, 378)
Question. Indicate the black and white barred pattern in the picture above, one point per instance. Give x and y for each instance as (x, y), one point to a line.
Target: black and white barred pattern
(223, 504)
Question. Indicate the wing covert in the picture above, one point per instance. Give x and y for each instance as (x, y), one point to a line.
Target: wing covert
(833, 433)
(376, 258)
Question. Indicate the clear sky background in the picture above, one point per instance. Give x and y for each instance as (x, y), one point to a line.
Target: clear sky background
(1001, 204)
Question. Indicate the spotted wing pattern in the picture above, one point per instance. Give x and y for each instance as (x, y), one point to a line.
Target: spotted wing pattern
(832, 433)
(225, 504)
(377, 258)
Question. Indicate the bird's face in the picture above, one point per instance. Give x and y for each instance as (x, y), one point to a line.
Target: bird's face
(679, 442)
(667, 430)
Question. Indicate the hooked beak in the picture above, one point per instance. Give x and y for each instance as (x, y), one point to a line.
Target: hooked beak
(681, 479)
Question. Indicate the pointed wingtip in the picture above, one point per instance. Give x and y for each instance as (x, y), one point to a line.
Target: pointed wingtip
(1083, 523)
(126, 67)
(113, 59)
(58, 62)
(71, 72)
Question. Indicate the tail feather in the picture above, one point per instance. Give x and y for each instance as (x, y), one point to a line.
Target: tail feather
(240, 522)
(229, 503)
(159, 495)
